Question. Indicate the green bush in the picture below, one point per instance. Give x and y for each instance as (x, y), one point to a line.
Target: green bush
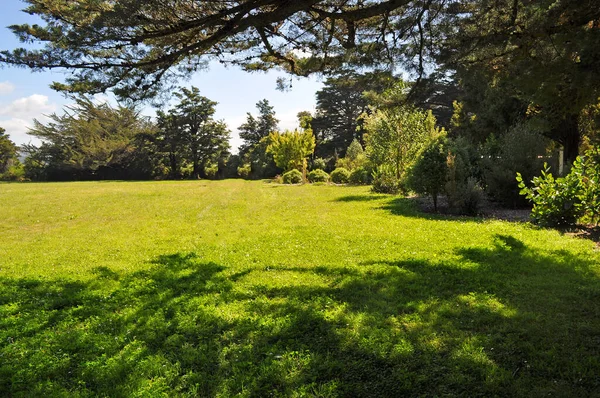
(562, 201)
(319, 164)
(555, 201)
(292, 177)
(15, 172)
(587, 170)
(340, 176)
(318, 175)
(211, 171)
(359, 176)
(462, 187)
(244, 171)
(428, 174)
(385, 181)
(520, 150)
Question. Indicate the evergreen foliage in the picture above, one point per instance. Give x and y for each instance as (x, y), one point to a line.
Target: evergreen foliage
(291, 148)
(188, 134)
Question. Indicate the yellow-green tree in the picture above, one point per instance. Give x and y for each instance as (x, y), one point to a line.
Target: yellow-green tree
(291, 148)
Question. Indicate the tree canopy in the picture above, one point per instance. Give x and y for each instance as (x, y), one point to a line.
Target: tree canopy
(188, 133)
(8, 151)
(139, 47)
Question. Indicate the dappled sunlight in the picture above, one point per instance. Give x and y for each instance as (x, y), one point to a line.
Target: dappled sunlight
(369, 329)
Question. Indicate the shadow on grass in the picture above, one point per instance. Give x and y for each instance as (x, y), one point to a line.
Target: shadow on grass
(359, 198)
(499, 321)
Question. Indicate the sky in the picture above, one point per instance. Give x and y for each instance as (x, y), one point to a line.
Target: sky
(25, 96)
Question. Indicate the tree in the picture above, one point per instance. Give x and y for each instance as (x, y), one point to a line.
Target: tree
(255, 133)
(255, 129)
(542, 53)
(188, 133)
(340, 105)
(88, 141)
(8, 151)
(397, 135)
(139, 48)
(428, 174)
(291, 149)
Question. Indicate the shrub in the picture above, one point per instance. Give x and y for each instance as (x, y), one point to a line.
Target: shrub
(319, 164)
(562, 201)
(211, 171)
(15, 172)
(587, 170)
(244, 171)
(340, 175)
(292, 177)
(555, 201)
(355, 157)
(385, 181)
(462, 187)
(428, 175)
(359, 176)
(520, 150)
(318, 175)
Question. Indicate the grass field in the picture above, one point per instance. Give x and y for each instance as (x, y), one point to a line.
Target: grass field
(239, 288)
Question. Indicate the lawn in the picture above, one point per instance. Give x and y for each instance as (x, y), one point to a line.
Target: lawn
(237, 288)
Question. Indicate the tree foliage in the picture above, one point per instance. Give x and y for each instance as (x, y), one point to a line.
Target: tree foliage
(139, 47)
(291, 149)
(340, 104)
(189, 134)
(8, 151)
(428, 174)
(540, 53)
(397, 135)
(255, 129)
(89, 141)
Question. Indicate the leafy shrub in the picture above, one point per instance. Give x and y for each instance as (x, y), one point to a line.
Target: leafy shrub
(340, 175)
(555, 201)
(292, 177)
(319, 164)
(15, 172)
(318, 175)
(211, 171)
(462, 188)
(385, 181)
(587, 170)
(520, 150)
(244, 171)
(562, 201)
(355, 157)
(428, 175)
(359, 176)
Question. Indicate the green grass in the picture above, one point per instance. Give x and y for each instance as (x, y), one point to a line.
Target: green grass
(253, 289)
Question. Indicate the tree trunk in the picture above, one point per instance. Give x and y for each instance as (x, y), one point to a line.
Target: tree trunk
(571, 139)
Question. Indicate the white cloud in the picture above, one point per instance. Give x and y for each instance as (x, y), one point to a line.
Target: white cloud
(17, 131)
(6, 88)
(26, 108)
(289, 120)
(17, 116)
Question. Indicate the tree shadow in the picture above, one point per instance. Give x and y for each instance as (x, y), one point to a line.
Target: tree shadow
(503, 320)
(359, 198)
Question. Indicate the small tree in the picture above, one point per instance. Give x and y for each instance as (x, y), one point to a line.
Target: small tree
(428, 175)
(8, 151)
(355, 157)
(397, 135)
(291, 149)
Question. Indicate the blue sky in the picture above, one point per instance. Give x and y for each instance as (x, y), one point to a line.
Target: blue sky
(25, 95)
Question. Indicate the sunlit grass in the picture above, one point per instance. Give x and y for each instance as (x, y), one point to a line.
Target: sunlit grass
(254, 289)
